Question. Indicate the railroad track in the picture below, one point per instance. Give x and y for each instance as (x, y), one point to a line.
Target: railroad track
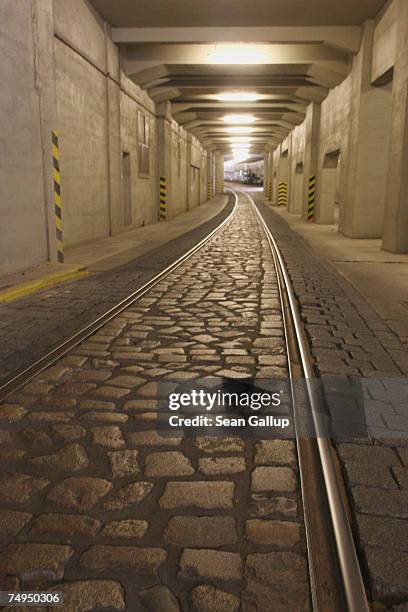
(335, 577)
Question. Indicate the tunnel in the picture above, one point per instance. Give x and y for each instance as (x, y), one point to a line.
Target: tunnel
(203, 305)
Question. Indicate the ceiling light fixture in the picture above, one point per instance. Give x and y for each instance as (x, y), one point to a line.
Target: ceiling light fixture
(238, 96)
(236, 54)
(240, 129)
(241, 119)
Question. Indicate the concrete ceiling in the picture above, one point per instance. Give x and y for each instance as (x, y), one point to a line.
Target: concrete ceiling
(187, 13)
(300, 50)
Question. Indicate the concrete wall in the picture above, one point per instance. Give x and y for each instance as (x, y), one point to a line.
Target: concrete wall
(69, 79)
(354, 141)
(23, 226)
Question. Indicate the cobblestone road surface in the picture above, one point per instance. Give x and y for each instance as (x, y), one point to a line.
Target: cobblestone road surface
(97, 503)
(348, 338)
(31, 326)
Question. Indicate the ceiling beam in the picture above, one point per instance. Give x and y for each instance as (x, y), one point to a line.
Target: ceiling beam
(347, 38)
(268, 54)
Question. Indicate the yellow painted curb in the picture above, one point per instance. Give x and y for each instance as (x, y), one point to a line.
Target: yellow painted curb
(24, 289)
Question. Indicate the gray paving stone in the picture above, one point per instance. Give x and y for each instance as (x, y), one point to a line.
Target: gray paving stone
(276, 582)
(384, 532)
(273, 479)
(108, 436)
(124, 463)
(81, 493)
(159, 598)
(200, 494)
(13, 521)
(72, 458)
(204, 531)
(87, 595)
(133, 493)
(389, 503)
(123, 558)
(279, 533)
(221, 465)
(206, 598)
(27, 558)
(65, 525)
(170, 463)
(388, 572)
(125, 529)
(262, 506)
(216, 444)
(20, 488)
(270, 452)
(210, 564)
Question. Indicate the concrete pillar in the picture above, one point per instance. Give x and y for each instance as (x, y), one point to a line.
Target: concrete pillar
(114, 148)
(210, 190)
(395, 235)
(266, 175)
(311, 153)
(284, 171)
(164, 153)
(362, 211)
(219, 172)
(188, 169)
(43, 44)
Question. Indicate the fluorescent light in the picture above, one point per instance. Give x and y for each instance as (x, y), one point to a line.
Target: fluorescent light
(236, 54)
(239, 130)
(242, 119)
(240, 139)
(238, 96)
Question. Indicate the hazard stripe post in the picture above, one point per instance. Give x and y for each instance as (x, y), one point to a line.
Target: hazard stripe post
(163, 199)
(282, 194)
(269, 193)
(209, 190)
(311, 198)
(57, 196)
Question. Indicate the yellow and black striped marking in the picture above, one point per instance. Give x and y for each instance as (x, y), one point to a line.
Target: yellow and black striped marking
(311, 198)
(282, 194)
(163, 199)
(57, 196)
(269, 191)
(209, 190)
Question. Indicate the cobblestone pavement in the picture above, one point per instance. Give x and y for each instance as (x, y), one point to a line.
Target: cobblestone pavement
(31, 326)
(349, 339)
(100, 504)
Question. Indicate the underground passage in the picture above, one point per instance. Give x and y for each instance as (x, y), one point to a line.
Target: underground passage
(203, 306)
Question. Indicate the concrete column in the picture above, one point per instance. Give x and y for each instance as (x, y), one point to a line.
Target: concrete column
(164, 152)
(284, 171)
(219, 172)
(270, 175)
(210, 191)
(114, 148)
(395, 236)
(362, 211)
(311, 154)
(266, 174)
(275, 166)
(44, 83)
(188, 170)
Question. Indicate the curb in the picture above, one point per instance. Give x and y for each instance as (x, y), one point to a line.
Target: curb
(24, 289)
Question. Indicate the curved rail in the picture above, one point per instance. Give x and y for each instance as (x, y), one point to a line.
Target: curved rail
(352, 581)
(26, 375)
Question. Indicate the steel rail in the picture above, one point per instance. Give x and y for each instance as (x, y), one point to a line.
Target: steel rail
(352, 580)
(25, 376)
